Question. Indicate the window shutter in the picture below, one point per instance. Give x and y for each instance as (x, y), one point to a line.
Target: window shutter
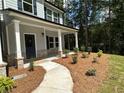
(63, 18)
(35, 7)
(45, 12)
(20, 5)
(58, 18)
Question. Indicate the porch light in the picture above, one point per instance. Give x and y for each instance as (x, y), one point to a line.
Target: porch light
(42, 34)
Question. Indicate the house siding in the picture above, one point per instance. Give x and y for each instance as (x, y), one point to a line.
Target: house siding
(0, 4)
(12, 4)
(40, 9)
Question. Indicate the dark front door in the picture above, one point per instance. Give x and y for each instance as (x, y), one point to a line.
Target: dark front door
(30, 46)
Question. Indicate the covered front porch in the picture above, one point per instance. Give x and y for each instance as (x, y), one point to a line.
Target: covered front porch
(33, 38)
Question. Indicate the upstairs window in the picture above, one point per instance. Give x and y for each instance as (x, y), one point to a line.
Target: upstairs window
(55, 15)
(49, 14)
(28, 5)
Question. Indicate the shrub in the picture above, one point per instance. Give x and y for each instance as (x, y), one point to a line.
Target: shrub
(66, 52)
(95, 60)
(76, 50)
(91, 72)
(6, 84)
(31, 66)
(74, 59)
(99, 54)
(84, 55)
(89, 50)
(83, 48)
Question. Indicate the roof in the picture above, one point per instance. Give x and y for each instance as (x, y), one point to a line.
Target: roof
(36, 17)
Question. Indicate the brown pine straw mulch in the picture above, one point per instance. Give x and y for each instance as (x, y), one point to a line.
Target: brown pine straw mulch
(29, 83)
(83, 83)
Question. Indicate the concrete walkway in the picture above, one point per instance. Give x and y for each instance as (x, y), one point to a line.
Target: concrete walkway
(56, 80)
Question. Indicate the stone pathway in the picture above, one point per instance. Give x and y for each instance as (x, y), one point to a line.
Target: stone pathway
(56, 80)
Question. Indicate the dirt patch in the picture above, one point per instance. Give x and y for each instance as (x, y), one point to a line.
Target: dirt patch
(29, 83)
(83, 83)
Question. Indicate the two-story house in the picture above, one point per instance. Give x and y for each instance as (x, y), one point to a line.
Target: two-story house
(33, 29)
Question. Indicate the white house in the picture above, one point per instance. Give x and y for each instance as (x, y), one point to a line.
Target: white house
(34, 29)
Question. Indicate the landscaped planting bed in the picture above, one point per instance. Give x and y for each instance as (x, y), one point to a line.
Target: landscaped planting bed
(82, 82)
(30, 82)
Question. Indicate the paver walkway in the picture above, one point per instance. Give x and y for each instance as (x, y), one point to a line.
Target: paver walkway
(56, 80)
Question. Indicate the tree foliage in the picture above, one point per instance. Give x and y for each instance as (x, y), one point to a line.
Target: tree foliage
(104, 24)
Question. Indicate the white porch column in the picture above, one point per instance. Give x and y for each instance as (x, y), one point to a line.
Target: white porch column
(19, 57)
(60, 42)
(45, 40)
(76, 39)
(2, 64)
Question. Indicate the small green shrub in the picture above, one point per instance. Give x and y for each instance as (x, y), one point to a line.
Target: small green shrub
(66, 52)
(76, 50)
(31, 66)
(84, 55)
(95, 60)
(83, 48)
(6, 84)
(74, 59)
(89, 50)
(99, 54)
(91, 72)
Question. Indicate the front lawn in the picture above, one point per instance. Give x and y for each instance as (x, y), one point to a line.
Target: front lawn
(115, 81)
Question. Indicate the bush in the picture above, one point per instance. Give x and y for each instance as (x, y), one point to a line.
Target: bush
(89, 50)
(31, 66)
(83, 48)
(76, 50)
(99, 54)
(66, 52)
(74, 59)
(6, 84)
(95, 60)
(84, 55)
(91, 72)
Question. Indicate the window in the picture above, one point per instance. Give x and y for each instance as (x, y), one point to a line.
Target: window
(27, 6)
(49, 15)
(51, 42)
(55, 17)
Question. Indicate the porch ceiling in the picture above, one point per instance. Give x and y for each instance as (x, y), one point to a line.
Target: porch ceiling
(28, 19)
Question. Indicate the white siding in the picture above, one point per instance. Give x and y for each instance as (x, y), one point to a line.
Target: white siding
(0, 4)
(40, 10)
(12, 4)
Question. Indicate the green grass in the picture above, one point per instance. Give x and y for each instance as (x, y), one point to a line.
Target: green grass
(115, 81)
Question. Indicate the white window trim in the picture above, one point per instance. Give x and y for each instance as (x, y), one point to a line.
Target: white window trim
(54, 42)
(51, 42)
(54, 17)
(48, 15)
(28, 4)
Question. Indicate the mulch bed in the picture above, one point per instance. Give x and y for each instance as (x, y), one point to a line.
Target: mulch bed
(83, 83)
(28, 83)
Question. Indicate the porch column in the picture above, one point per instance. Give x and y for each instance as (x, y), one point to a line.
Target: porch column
(2, 64)
(45, 44)
(45, 39)
(60, 42)
(76, 39)
(19, 58)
